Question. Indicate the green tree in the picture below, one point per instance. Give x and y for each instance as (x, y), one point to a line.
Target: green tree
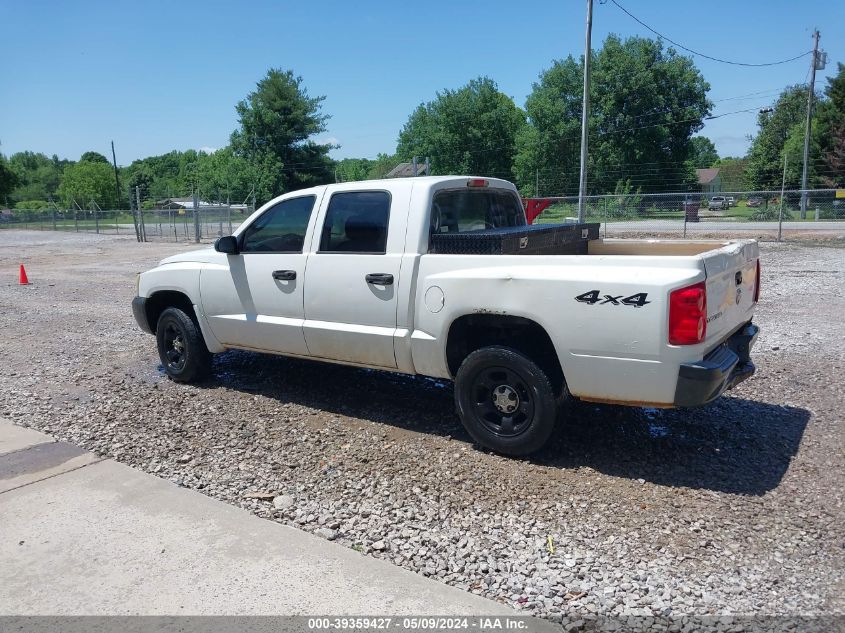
(225, 176)
(765, 157)
(732, 172)
(382, 165)
(139, 175)
(835, 89)
(548, 149)
(277, 123)
(471, 130)
(829, 131)
(85, 181)
(793, 148)
(93, 157)
(32, 204)
(835, 159)
(352, 169)
(703, 152)
(38, 176)
(170, 175)
(646, 103)
(8, 178)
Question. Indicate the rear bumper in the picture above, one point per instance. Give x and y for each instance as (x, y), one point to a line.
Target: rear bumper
(139, 311)
(723, 368)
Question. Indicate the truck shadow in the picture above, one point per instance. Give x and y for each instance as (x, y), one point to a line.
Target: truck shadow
(733, 445)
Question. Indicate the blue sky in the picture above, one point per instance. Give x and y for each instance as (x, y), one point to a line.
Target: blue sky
(156, 76)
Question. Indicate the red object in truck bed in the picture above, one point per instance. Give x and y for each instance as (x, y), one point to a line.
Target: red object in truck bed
(535, 206)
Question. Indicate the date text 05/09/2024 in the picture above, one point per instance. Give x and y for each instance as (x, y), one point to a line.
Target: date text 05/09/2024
(429, 623)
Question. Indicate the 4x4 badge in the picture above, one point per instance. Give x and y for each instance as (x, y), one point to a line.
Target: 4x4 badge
(594, 296)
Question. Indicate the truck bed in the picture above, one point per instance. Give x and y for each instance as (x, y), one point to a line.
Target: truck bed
(653, 247)
(606, 311)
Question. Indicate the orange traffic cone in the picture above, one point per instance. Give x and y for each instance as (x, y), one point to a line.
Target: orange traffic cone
(24, 280)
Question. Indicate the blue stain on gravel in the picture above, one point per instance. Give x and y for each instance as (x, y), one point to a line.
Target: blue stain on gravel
(654, 428)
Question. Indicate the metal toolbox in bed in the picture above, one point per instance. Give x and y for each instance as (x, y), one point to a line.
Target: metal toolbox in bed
(538, 239)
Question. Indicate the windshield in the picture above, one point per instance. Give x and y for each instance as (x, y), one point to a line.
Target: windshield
(463, 210)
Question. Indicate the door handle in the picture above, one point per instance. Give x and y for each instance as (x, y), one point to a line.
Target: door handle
(284, 275)
(380, 279)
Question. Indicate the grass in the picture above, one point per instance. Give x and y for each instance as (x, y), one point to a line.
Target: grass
(107, 223)
(558, 213)
(69, 225)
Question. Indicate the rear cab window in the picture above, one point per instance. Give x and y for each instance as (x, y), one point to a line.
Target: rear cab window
(467, 210)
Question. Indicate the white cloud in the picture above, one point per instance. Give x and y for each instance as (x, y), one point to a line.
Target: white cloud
(207, 150)
(329, 140)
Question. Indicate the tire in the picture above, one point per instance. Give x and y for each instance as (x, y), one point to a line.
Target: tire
(505, 401)
(181, 347)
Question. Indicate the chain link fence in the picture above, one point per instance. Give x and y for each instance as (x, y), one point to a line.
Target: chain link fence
(762, 213)
(186, 225)
(173, 225)
(682, 214)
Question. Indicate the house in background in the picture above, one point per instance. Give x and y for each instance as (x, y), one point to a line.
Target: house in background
(406, 170)
(187, 204)
(709, 180)
(180, 204)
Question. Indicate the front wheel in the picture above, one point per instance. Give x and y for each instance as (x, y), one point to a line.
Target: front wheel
(505, 401)
(181, 347)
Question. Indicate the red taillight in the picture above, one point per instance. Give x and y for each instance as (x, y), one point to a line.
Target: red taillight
(688, 315)
(477, 182)
(757, 284)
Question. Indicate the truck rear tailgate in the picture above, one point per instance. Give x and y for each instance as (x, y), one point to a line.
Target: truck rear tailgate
(731, 281)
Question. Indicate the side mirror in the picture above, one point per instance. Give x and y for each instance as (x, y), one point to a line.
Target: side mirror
(227, 244)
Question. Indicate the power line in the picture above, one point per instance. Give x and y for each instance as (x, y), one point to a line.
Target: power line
(710, 57)
(751, 95)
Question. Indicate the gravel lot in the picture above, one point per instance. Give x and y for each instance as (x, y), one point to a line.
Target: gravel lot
(736, 508)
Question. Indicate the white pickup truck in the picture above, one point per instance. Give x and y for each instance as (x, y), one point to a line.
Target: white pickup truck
(346, 273)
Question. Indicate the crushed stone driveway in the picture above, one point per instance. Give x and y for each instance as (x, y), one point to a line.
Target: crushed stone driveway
(734, 508)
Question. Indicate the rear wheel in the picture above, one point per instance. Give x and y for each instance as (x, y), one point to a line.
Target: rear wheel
(505, 400)
(181, 347)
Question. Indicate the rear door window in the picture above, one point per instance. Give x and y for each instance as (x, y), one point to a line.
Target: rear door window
(356, 222)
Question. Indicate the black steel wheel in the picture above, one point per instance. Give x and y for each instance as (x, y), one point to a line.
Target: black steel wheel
(505, 400)
(502, 400)
(181, 348)
(174, 348)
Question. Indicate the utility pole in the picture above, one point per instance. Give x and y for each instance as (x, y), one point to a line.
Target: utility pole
(116, 178)
(197, 227)
(810, 94)
(782, 191)
(585, 115)
(137, 218)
